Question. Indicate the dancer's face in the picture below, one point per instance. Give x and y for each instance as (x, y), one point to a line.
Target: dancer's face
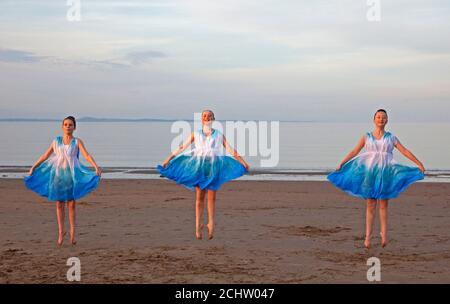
(68, 127)
(380, 119)
(207, 118)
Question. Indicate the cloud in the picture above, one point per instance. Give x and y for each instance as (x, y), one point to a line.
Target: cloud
(126, 61)
(19, 57)
(143, 56)
(267, 57)
(100, 65)
(9, 55)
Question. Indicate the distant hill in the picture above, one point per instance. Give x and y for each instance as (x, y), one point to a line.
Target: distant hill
(88, 119)
(96, 119)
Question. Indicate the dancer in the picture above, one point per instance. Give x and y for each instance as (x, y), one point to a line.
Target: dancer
(205, 168)
(374, 175)
(59, 176)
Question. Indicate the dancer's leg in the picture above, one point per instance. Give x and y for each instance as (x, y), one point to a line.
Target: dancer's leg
(383, 221)
(211, 212)
(199, 207)
(60, 217)
(370, 216)
(72, 221)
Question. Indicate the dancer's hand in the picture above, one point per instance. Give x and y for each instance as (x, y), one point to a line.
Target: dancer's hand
(422, 168)
(31, 171)
(339, 167)
(165, 163)
(98, 171)
(246, 166)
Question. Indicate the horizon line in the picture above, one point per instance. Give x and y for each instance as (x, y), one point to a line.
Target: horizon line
(115, 119)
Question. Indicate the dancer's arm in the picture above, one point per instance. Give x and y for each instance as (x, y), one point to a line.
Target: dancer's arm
(88, 157)
(42, 159)
(353, 152)
(234, 153)
(180, 149)
(409, 155)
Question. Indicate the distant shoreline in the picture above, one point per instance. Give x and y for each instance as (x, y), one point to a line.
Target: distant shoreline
(85, 119)
(94, 119)
(139, 120)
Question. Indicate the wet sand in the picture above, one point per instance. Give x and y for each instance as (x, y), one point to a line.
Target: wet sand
(142, 231)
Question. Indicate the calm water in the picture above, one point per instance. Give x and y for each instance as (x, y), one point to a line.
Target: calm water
(303, 146)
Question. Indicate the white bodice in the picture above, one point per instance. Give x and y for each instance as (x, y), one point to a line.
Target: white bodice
(386, 144)
(65, 155)
(211, 145)
(378, 152)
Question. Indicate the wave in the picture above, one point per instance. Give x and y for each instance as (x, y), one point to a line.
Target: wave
(258, 174)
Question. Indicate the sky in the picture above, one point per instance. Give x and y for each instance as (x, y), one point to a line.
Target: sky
(245, 59)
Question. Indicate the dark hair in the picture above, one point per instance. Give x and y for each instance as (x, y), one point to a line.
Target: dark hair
(379, 110)
(72, 119)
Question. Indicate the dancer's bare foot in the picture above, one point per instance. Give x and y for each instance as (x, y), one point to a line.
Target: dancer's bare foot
(73, 241)
(383, 240)
(61, 238)
(198, 232)
(367, 243)
(72, 238)
(210, 231)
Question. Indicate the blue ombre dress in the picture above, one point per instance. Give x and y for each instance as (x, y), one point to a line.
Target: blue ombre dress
(205, 166)
(374, 174)
(62, 177)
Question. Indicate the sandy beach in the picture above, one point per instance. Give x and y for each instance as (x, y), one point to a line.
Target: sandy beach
(142, 231)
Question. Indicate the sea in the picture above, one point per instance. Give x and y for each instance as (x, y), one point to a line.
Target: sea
(291, 151)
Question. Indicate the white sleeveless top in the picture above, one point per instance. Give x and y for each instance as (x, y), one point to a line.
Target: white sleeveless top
(65, 155)
(379, 151)
(208, 146)
(385, 144)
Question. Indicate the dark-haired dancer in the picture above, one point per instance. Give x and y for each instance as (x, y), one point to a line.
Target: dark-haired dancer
(374, 175)
(59, 176)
